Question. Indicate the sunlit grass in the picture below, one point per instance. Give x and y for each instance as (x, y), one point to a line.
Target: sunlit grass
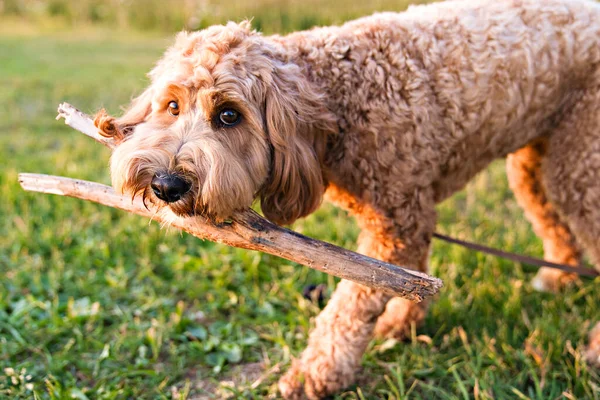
(268, 16)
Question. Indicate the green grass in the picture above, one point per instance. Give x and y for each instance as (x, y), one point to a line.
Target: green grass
(99, 304)
(174, 15)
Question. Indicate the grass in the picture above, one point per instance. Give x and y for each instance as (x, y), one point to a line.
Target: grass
(99, 304)
(173, 15)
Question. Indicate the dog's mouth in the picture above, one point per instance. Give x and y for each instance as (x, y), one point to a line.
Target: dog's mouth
(184, 206)
(169, 187)
(187, 190)
(172, 191)
(181, 209)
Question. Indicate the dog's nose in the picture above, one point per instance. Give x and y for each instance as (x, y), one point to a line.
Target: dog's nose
(169, 187)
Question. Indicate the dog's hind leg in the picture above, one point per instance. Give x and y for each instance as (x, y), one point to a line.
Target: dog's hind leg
(524, 171)
(571, 173)
(345, 327)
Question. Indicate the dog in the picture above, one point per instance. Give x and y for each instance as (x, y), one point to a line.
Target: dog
(385, 116)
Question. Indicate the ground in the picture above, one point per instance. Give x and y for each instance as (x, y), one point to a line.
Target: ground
(99, 304)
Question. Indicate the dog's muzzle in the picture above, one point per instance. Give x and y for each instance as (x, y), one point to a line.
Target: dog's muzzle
(169, 187)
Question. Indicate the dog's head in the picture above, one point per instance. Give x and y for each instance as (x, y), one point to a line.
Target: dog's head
(225, 120)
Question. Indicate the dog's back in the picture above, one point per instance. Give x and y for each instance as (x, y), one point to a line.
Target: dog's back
(493, 74)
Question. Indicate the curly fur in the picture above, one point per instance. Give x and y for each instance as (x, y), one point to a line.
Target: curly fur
(389, 115)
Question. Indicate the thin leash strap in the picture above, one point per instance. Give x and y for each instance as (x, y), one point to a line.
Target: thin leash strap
(583, 271)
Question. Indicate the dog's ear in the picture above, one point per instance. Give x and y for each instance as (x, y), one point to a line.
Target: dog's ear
(298, 125)
(118, 128)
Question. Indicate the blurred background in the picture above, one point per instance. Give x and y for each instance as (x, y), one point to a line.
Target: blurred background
(174, 15)
(99, 304)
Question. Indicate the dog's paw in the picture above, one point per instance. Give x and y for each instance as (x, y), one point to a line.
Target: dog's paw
(399, 319)
(291, 385)
(592, 353)
(389, 329)
(314, 381)
(552, 280)
(299, 384)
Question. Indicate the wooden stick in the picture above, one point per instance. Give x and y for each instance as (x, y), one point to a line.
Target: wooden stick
(248, 230)
(82, 123)
(245, 229)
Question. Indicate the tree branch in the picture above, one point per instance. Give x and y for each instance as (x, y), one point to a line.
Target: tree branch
(245, 229)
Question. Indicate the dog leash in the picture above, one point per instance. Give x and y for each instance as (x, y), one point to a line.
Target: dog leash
(579, 270)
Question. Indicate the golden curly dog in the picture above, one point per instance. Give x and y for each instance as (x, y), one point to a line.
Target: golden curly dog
(386, 115)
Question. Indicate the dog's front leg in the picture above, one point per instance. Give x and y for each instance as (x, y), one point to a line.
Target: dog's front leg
(345, 327)
(336, 345)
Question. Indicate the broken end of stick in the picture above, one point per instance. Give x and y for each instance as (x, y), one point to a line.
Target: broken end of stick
(63, 111)
(66, 111)
(39, 183)
(418, 289)
(82, 122)
(435, 284)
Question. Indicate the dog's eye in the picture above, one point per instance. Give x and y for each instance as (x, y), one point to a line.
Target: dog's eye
(229, 117)
(173, 108)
